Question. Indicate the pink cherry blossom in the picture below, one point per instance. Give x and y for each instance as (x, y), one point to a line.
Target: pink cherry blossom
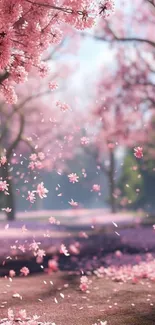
(53, 265)
(12, 273)
(84, 140)
(38, 164)
(84, 286)
(31, 165)
(7, 209)
(41, 190)
(24, 271)
(73, 203)
(63, 250)
(138, 152)
(74, 249)
(22, 314)
(40, 253)
(118, 254)
(73, 178)
(33, 157)
(31, 196)
(63, 106)
(3, 186)
(84, 283)
(39, 22)
(53, 85)
(34, 246)
(3, 160)
(22, 248)
(52, 220)
(41, 155)
(96, 188)
(10, 314)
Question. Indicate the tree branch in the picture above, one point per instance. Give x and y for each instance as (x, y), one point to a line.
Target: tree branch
(18, 108)
(29, 144)
(4, 76)
(152, 2)
(46, 5)
(119, 39)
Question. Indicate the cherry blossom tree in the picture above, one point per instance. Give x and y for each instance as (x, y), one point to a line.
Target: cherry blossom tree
(40, 125)
(131, 84)
(29, 27)
(117, 121)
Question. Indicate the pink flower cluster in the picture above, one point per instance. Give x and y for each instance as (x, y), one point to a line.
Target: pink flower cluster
(24, 271)
(84, 140)
(53, 85)
(28, 28)
(135, 273)
(19, 316)
(63, 106)
(36, 161)
(84, 283)
(41, 191)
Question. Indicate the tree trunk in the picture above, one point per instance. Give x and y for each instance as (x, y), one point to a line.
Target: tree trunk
(112, 182)
(8, 199)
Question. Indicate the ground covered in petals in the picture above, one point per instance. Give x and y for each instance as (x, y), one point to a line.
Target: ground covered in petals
(57, 298)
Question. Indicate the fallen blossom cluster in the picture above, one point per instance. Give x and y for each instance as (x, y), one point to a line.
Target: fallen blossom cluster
(84, 285)
(132, 273)
(21, 318)
(29, 27)
(24, 271)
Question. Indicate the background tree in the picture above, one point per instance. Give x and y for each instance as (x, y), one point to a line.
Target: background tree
(115, 124)
(38, 123)
(131, 183)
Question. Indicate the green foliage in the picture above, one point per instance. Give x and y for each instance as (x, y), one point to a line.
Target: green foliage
(149, 151)
(131, 181)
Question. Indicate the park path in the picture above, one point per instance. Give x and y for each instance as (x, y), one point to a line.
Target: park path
(57, 298)
(75, 216)
(68, 226)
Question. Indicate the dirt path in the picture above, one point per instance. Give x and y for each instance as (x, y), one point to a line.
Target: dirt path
(63, 303)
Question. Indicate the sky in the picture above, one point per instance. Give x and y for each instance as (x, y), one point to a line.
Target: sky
(91, 55)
